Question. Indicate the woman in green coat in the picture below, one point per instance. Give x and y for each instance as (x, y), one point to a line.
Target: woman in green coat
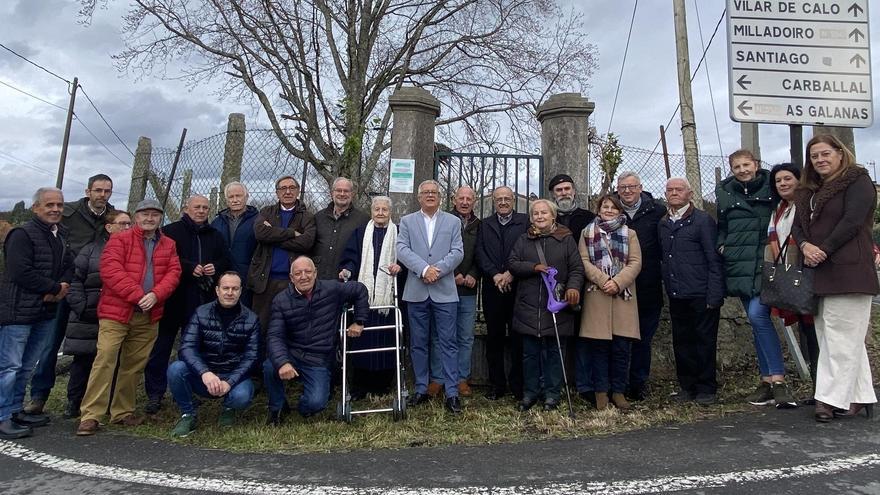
(745, 204)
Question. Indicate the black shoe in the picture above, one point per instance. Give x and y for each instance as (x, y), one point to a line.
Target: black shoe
(588, 396)
(31, 420)
(453, 405)
(551, 405)
(418, 398)
(705, 399)
(71, 410)
(526, 404)
(682, 396)
(358, 394)
(10, 430)
(153, 406)
(637, 393)
(495, 394)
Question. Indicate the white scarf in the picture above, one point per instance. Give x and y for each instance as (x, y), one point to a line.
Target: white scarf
(380, 287)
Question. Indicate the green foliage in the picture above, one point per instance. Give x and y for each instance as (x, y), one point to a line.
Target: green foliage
(610, 160)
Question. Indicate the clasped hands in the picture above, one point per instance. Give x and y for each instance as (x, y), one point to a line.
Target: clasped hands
(65, 287)
(215, 386)
(201, 270)
(813, 255)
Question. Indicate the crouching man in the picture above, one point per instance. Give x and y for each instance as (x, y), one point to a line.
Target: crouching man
(301, 338)
(217, 349)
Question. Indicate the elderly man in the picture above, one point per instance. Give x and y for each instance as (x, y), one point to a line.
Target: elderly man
(429, 245)
(334, 225)
(84, 220)
(693, 274)
(203, 256)
(36, 276)
(217, 351)
(498, 233)
(302, 335)
(467, 273)
(284, 231)
(140, 270)
(643, 214)
(236, 225)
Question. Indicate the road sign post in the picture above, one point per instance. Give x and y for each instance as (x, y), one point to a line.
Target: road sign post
(800, 62)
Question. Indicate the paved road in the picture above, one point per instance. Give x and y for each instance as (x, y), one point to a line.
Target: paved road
(768, 451)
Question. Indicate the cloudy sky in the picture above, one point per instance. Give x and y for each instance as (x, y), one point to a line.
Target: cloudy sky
(48, 32)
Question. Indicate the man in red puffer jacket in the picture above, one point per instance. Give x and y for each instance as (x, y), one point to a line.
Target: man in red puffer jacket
(140, 269)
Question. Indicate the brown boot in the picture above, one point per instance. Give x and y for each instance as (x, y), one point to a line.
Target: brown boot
(601, 401)
(86, 428)
(619, 401)
(464, 389)
(435, 389)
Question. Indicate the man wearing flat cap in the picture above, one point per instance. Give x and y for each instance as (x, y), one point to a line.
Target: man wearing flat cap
(570, 213)
(140, 269)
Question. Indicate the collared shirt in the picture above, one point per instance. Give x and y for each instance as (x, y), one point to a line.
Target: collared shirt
(149, 247)
(287, 209)
(96, 213)
(430, 223)
(631, 210)
(504, 220)
(676, 215)
(54, 230)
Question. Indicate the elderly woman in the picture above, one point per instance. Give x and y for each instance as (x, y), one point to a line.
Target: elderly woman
(546, 244)
(835, 207)
(784, 180)
(612, 259)
(745, 205)
(370, 258)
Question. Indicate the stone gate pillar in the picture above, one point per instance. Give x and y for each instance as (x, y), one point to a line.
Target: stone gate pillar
(233, 153)
(412, 137)
(564, 119)
(140, 172)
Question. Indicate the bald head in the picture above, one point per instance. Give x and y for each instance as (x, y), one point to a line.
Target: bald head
(464, 200)
(303, 274)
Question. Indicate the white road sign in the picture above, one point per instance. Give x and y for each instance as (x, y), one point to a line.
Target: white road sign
(800, 62)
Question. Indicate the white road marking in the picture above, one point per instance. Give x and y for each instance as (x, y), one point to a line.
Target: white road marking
(663, 484)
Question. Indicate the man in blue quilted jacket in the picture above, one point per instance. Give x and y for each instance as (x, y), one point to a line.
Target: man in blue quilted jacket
(302, 336)
(217, 350)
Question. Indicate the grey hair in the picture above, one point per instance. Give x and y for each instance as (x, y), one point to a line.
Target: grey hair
(502, 187)
(683, 179)
(429, 181)
(380, 199)
(193, 196)
(553, 209)
(627, 174)
(336, 181)
(43, 190)
(303, 257)
(467, 187)
(233, 184)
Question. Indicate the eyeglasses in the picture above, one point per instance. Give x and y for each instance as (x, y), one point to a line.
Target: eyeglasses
(429, 193)
(99, 190)
(287, 188)
(629, 187)
(504, 200)
(823, 154)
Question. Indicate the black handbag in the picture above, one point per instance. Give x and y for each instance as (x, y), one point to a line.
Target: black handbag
(788, 287)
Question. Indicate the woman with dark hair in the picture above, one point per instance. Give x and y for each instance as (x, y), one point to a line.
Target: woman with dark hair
(784, 180)
(835, 209)
(612, 259)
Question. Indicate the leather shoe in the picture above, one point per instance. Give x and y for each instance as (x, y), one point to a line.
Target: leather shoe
(464, 389)
(824, 413)
(86, 428)
(130, 420)
(417, 398)
(71, 410)
(35, 406)
(526, 404)
(435, 389)
(453, 405)
(637, 392)
(10, 430)
(32, 420)
(494, 394)
(153, 406)
(854, 409)
(551, 405)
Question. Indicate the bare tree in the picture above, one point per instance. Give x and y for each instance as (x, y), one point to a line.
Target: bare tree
(322, 70)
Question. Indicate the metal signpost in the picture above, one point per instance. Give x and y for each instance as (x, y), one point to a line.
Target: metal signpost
(800, 62)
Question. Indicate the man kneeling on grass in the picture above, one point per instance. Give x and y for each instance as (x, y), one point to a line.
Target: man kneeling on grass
(217, 350)
(301, 338)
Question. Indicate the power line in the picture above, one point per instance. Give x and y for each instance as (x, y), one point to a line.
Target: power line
(622, 65)
(709, 81)
(105, 120)
(78, 119)
(19, 161)
(32, 95)
(10, 50)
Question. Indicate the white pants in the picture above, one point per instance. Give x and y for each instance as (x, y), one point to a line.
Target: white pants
(844, 373)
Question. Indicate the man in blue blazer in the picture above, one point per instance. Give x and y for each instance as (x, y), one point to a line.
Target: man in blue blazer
(429, 245)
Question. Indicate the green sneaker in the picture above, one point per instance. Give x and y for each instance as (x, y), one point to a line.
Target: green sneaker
(762, 396)
(185, 425)
(783, 396)
(227, 418)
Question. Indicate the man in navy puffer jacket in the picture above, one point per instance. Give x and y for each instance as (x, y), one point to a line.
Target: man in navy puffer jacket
(302, 336)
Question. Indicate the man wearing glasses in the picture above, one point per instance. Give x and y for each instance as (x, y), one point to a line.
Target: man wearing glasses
(334, 225)
(284, 231)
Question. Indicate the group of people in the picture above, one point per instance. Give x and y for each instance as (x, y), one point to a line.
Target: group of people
(257, 294)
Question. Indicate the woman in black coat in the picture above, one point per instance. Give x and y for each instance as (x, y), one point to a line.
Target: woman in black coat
(546, 244)
(81, 337)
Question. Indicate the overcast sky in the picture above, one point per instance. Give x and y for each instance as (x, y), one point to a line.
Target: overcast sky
(48, 32)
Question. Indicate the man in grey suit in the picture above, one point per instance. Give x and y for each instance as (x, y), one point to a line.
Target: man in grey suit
(429, 245)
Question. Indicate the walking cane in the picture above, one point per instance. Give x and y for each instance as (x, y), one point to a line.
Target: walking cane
(554, 306)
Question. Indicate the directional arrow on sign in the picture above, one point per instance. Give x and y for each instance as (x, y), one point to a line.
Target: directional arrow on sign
(743, 82)
(743, 107)
(857, 59)
(855, 33)
(856, 9)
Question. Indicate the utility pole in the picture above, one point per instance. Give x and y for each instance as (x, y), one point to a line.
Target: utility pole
(688, 126)
(60, 179)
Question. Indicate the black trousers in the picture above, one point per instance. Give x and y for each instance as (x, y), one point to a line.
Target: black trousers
(694, 342)
(500, 338)
(80, 369)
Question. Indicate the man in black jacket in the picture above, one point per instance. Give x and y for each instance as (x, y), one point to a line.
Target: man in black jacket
(37, 274)
(569, 213)
(694, 278)
(217, 351)
(333, 226)
(302, 336)
(497, 234)
(643, 214)
(203, 256)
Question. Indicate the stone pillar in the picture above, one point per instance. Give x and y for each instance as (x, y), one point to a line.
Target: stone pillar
(186, 187)
(412, 137)
(140, 172)
(232, 154)
(565, 145)
(749, 139)
(844, 134)
(212, 203)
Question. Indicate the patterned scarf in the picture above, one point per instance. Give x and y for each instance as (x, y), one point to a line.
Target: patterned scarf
(784, 213)
(608, 246)
(380, 287)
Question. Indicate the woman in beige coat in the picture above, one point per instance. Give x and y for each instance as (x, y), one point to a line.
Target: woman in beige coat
(610, 320)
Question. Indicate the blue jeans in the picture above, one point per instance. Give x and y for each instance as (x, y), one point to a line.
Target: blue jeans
(464, 322)
(640, 356)
(20, 346)
(183, 382)
(610, 361)
(767, 345)
(540, 354)
(44, 373)
(316, 387)
(583, 370)
(421, 317)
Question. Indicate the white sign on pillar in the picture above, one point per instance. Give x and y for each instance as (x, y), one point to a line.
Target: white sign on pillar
(800, 62)
(402, 177)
